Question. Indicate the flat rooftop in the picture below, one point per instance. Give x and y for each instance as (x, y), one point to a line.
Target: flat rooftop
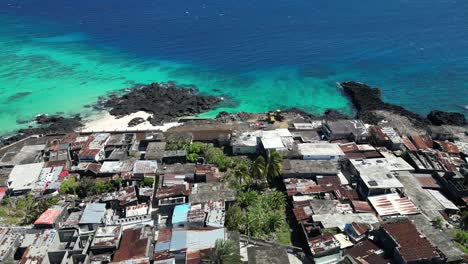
(23, 177)
(320, 149)
(310, 166)
(340, 220)
(377, 177)
(391, 164)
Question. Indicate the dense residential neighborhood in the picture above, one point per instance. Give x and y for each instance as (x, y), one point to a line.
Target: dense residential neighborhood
(288, 191)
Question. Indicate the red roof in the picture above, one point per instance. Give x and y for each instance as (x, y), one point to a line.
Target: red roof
(365, 251)
(412, 245)
(89, 152)
(345, 193)
(378, 133)
(422, 141)
(427, 181)
(448, 147)
(324, 180)
(408, 144)
(172, 191)
(300, 214)
(165, 235)
(349, 147)
(362, 207)
(55, 163)
(3, 191)
(48, 217)
(132, 246)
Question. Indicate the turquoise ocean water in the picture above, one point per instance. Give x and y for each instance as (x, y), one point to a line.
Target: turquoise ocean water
(58, 56)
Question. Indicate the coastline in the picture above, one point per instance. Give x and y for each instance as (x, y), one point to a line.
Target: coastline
(167, 104)
(103, 121)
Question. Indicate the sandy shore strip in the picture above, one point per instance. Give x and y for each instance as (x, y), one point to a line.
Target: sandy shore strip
(105, 122)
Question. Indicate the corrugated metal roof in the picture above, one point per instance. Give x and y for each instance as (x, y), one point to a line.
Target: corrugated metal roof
(413, 247)
(133, 245)
(408, 144)
(49, 216)
(446, 203)
(93, 213)
(448, 147)
(422, 141)
(145, 166)
(427, 181)
(393, 204)
(362, 207)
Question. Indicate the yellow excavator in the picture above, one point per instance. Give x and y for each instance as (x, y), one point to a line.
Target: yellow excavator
(273, 116)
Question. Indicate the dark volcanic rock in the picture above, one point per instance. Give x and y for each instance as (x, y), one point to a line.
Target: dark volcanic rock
(332, 114)
(329, 114)
(165, 101)
(231, 117)
(439, 118)
(367, 99)
(53, 124)
(45, 124)
(136, 121)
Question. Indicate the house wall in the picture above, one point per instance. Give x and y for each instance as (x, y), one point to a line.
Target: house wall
(244, 150)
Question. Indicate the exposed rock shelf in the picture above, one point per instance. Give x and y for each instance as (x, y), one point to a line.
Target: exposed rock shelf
(165, 102)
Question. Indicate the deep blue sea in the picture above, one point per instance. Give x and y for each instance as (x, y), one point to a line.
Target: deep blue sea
(58, 55)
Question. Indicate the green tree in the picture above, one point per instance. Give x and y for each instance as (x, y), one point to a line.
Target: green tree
(101, 187)
(224, 252)
(192, 157)
(275, 164)
(84, 187)
(69, 186)
(274, 200)
(148, 181)
(247, 198)
(259, 169)
(235, 218)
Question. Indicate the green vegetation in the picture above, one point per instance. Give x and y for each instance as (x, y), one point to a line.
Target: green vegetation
(101, 187)
(24, 209)
(148, 182)
(224, 252)
(212, 154)
(274, 165)
(461, 239)
(330, 231)
(86, 187)
(439, 222)
(69, 186)
(260, 215)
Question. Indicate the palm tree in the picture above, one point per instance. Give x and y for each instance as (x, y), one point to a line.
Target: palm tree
(224, 252)
(259, 169)
(275, 200)
(242, 174)
(275, 164)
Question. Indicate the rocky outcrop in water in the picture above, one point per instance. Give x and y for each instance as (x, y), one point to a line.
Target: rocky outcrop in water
(165, 102)
(439, 118)
(53, 124)
(44, 124)
(368, 101)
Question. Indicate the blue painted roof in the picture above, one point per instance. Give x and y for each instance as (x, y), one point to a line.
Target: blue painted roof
(178, 240)
(180, 214)
(161, 246)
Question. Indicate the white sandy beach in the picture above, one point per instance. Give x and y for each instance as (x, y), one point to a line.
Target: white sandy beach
(105, 122)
